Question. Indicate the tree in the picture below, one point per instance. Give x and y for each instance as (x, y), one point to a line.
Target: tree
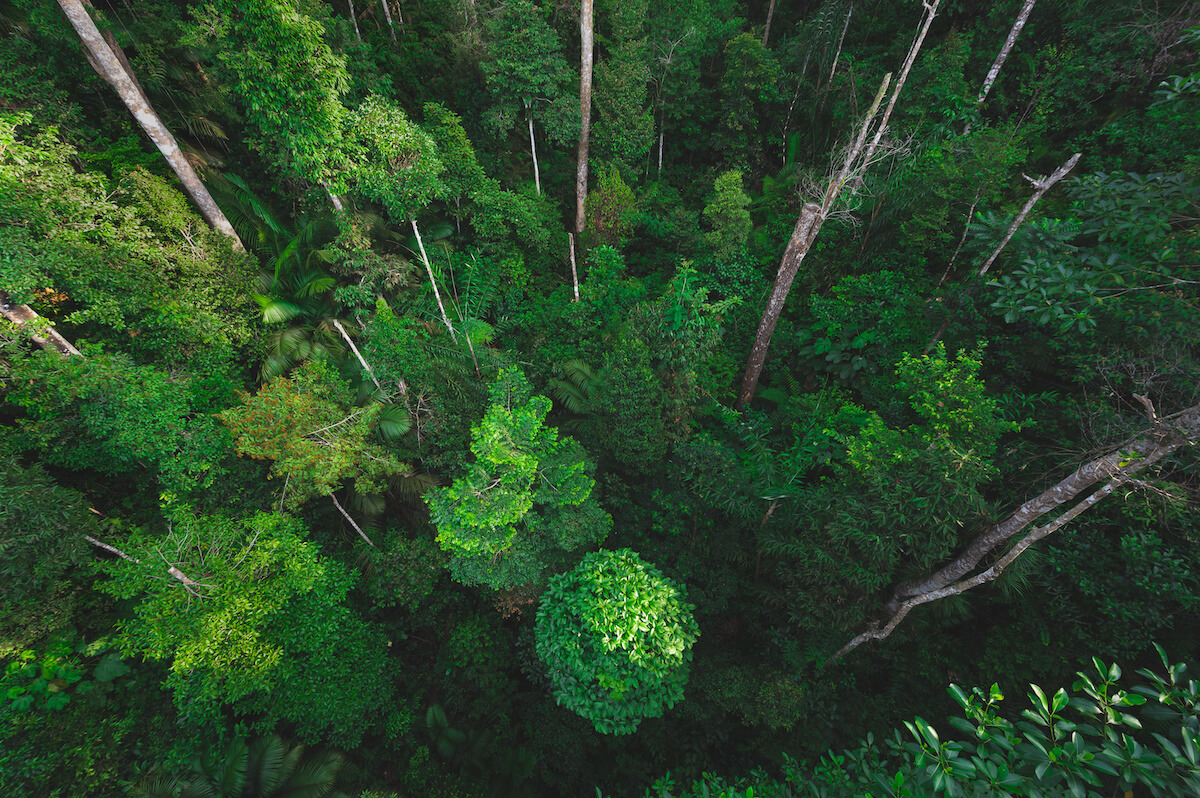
(1002, 56)
(1091, 744)
(257, 622)
(111, 69)
(727, 214)
(858, 158)
(616, 636)
(586, 14)
(525, 503)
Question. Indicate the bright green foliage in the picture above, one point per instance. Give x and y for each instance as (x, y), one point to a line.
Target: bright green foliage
(305, 424)
(727, 215)
(265, 768)
(290, 83)
(397, 163)
(1091, 745)
(108, 414)
(748, 89)
(616, 636)
(132, 265)
(463, 176)
(525, 501)
(252, 613)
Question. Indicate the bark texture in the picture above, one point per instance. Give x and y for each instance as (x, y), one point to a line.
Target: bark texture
(1040, 187)
(108, 65)
(1114, 469)
(586, 13)
(21, 315)
(1002, 56)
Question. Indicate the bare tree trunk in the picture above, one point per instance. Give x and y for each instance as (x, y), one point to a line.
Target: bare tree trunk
(1166, 436)
(354, 19)
(537, 175)
(429, 270)
(841, 40)
(346, 515)
(50, 340)
(662, 134)
(362, 361)
(183, 578)
(858, 160)
(586, 12)
(1002, 56)
(767, 29)
(110, 68)
(574, 273)
(387, 14)
(1040, 187)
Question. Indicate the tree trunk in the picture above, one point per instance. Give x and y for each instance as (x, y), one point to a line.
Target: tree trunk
(574, 273)
(767, 29)
(387, 14)
(1040, 187)
(1165, 437)
(110, 68)
(429, 270)
(50, 340)
(537, 175)
(841, 40)
(354, 19)
(586, 12)
(1002, 56)
(858, 160)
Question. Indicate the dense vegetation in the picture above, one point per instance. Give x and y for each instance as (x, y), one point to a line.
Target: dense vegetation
(428, 474)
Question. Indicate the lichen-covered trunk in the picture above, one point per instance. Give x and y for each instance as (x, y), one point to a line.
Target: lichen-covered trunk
(585, 109)
(110, 68)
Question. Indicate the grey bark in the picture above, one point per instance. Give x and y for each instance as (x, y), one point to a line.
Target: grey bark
(767, 29)
(574, 273)
(354, 19)
(1040, 187)
(110, 68)
(586, 12)
(387, 14)
(537, 175)
(346, 515)
(858, 159)
(1166, 436)
(1002, 56)
(436, 293)
(21, 315)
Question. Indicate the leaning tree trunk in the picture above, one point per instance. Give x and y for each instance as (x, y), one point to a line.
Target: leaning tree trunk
(858, 159)
(1115, 469)
(1040, 187)
(537, 174)
(586, 12)
(1002, 56)
(46, 337)
(111, 70)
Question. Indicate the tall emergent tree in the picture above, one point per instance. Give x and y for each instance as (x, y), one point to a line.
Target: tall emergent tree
(858, 158)
(617, 637)
(111, 69)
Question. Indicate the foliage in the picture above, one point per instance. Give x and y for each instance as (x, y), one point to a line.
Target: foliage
(267, 767)
(306, 426)
(396, 163)
(1088, 744)
(616, 636)
(524, 502)
(728, 216)
(250, 613)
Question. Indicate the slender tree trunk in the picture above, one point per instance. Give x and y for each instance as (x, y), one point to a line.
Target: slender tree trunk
(429, 270)
(362, 361)
(354, 19)
(346, 515)
(1002, 56)
(387, 14)
(858, 160)
(586, 12)
(662, 134)
(112, 71)
(1166, 436)
(574, 273)
(767, 29)
(841, 40)
(183, 578)
(49, 338)
(1040, 187)
(537, 175)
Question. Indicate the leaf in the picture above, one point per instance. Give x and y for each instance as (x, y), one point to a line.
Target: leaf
(109, 668)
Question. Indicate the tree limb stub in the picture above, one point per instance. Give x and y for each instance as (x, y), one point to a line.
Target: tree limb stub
(1118, 467)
